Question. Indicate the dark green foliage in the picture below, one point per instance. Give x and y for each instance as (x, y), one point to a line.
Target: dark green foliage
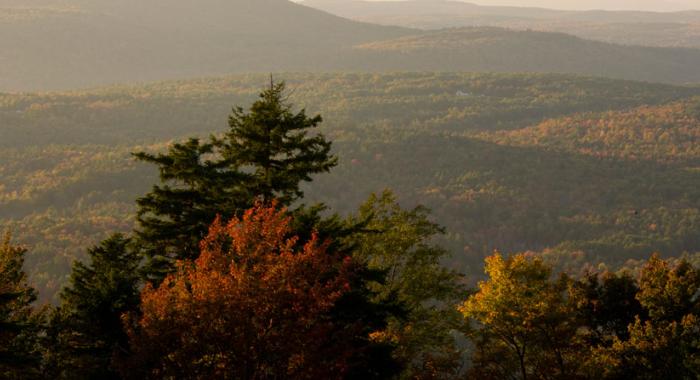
(19, 324)
(400, 243)
(86, 331)
(375, 358)
(266, 153)
(273, 143)
(175, 216)
(663, 339)
(607, 305)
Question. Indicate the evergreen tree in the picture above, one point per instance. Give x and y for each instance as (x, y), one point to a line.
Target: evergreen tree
(196, 185)
(86, 332)
(273, 143)
(266, 153)
(19, 325)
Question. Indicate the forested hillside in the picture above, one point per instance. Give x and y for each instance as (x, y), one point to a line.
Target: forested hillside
(489, 153)
(484, 49)
(75, 44)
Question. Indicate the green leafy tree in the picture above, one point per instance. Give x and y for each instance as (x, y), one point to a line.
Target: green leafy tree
(86, 331)
(665, 345)
(398, 242)
(19, 324)
(524, 325)
(267, 152)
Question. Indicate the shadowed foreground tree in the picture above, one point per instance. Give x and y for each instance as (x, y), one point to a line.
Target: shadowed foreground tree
(19, 324)
(256, 304)
(606, 304)
(86, 331)
(663, 343)
(398, 242)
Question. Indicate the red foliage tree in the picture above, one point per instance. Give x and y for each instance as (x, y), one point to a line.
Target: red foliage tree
(254, 305)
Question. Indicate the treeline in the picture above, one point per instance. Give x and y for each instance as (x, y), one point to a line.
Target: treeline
(227, 275)
(528, 324)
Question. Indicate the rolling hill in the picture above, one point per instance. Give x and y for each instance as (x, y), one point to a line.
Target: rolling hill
(489, 153)
(78, 43)
(504, 50)
(660, 29)
(75, 43)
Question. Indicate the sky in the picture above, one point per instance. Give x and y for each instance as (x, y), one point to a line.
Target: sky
(646, 5)
(656, 5)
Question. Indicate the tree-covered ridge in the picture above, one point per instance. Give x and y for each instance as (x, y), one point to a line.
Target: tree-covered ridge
(409, 101)
(437, 139)
(70, 45)
(666, 133)
(670, 29)
(495, 49)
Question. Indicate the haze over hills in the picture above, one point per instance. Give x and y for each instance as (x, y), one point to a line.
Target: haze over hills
(647, 5)
(502, 50)
(86, 43)
(78, 43)
(677, 29)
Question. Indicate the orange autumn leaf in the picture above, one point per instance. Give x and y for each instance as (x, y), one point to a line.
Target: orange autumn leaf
(255, 304)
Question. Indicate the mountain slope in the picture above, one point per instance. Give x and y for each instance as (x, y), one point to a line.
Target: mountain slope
(86, 43)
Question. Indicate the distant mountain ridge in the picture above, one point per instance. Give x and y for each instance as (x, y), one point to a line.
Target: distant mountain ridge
(661, 29)
(64, 44)
(502, 50)
(355, 9)
(77, 43)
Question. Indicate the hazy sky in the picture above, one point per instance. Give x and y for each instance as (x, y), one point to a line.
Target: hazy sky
(649, 5)
(658, 5)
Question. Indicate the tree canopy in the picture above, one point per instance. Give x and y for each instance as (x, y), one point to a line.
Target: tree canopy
(266, 153)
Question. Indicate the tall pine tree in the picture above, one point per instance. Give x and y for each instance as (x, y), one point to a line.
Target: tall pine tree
(86, 332)
(272, 143)
(266, 154)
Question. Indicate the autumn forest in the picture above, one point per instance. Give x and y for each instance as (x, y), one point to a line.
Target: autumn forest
(342, 189)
